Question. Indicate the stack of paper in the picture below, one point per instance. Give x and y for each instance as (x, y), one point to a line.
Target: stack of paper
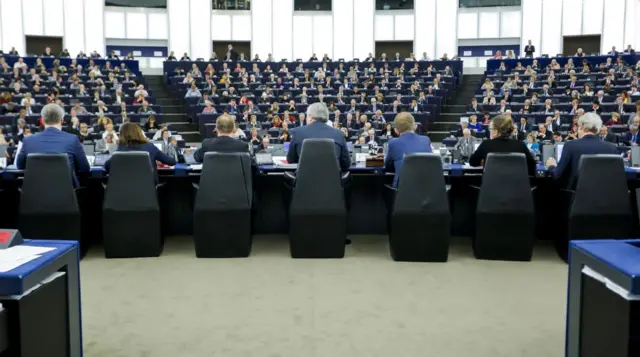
(14, 257)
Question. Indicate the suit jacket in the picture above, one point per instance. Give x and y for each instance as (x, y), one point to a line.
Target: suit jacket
(627, 138)
(155, 154)
(224, 144)
(567, 169)
(502, 145)
(478, 109)
(407, 143)
(529, 49)
(319, 130)
(610, 138)
(51, 141)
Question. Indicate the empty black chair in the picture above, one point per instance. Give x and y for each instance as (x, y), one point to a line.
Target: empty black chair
(318, 216)
(131, 212)
(420, 220)
(48, 204)
(601, 206)
(222, 212)
(505, 218)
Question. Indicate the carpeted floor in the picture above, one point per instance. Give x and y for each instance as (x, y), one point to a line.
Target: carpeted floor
(270, 305)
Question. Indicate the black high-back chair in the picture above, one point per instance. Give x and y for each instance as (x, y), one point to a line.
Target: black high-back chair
(131, 212)
(420, 219)
(601, 206)
(318, 216)
(505, 214)
(48, 204)
(222, 212)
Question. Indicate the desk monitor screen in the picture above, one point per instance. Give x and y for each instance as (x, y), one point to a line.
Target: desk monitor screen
(286, 146)
(350, 146)
(264, 158)
(89, 149)
(3, 150)
(559, 152)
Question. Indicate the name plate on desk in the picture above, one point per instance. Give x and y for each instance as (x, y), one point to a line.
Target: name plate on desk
(9, 238)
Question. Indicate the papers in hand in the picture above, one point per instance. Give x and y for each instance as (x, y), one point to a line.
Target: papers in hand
(14, 257)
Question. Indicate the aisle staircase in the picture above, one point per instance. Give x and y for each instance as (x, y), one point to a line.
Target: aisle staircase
(449, 117)
(173, 111)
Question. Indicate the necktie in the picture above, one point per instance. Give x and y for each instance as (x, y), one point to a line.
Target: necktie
(633, 138)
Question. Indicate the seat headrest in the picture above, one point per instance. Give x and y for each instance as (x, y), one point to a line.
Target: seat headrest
(602, 185)
(44, 171)
(421, 185)
(226, 181)
(318, 182)
(505, 183)
(131, 182)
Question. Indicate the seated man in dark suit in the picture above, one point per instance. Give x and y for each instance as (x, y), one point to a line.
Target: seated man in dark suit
(407, 142)
(632, 136)
(54, 141)
(224, 142)
(588, 144)
(317, 128)
(607, 136)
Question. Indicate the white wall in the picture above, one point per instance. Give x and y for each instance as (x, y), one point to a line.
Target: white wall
(547, 21)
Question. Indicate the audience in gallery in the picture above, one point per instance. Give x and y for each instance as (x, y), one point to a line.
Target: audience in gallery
(549, 101)
(263, 98)
(106, 89)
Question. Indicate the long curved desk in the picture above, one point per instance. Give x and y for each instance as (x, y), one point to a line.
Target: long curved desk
(367, 214)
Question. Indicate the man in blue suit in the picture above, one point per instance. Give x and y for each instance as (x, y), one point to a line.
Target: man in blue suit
(589, 144)
(317, 128)
(407, 142)
(54, 141)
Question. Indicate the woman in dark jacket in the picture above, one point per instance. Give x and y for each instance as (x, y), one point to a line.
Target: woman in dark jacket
(131, 138)
(501, 129)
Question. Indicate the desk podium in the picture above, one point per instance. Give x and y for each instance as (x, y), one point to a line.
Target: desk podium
(603, 305)
(40, 314)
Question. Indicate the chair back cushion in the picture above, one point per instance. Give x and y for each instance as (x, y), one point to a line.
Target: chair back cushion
(505, 184)
(131, 185)
(226, 181)
(601, 187)
(48, 185)
(421, 188)
(318, 185)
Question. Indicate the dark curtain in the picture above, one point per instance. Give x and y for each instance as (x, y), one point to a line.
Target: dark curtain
(589, 45)
(220, 48)
(37, 44)
(393, 47)
(137, 3)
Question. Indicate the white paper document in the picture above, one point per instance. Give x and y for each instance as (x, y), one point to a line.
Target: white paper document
(10, 265)
(14, 257)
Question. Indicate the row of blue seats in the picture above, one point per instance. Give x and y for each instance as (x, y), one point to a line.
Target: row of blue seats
(85, 100)
(494, 64)
(11, 120)
(93, 108)
(48, 62)
(607, 107)
(558, 76)
(204, 119)
(169, 67)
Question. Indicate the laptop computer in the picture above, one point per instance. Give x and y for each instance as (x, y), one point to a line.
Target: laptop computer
(100, 159)
(188, 156)
(264, 158)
